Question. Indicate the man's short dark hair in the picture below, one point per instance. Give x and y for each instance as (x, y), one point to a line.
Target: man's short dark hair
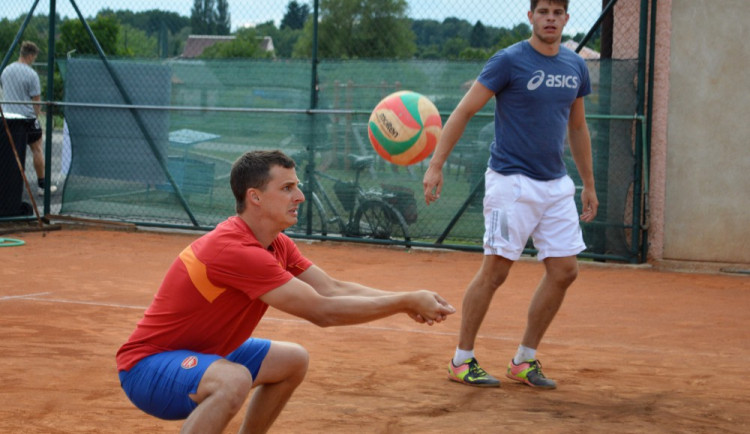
(563, 3)
(253, 170)
(29, 48)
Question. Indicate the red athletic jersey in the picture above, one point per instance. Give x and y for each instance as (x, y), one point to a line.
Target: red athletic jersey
(209, 299)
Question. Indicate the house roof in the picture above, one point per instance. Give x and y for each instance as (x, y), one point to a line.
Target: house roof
(586, 53)
(195, 44)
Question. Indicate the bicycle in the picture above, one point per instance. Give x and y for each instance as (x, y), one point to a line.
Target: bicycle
(371, 213)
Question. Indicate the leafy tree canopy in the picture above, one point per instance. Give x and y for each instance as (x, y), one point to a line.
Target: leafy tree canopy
(348, 29)
(223, 18)
(135, 42)
(295, 16)
(73, 36)
(361, 29)
(203, 17)
(151, 21)
(36, 32)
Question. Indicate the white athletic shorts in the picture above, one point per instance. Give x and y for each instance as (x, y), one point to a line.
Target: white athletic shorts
(517, 207)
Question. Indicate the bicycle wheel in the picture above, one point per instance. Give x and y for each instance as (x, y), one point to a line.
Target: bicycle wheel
(379, 220)
(319, 218)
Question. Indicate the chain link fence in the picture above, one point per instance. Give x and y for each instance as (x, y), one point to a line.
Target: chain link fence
(145, 123)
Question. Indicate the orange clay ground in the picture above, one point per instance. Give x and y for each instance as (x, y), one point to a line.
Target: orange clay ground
(632, 349)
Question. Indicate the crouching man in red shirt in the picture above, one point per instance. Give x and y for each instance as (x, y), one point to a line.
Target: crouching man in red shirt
(192, 356)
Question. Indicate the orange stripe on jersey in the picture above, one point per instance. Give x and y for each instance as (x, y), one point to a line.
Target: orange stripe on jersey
(197, 271)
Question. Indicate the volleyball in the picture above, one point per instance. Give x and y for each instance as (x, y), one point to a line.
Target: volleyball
(404, 127)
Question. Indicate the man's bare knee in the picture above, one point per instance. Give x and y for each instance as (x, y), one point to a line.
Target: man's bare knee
(563, 272)
(237, 387)
(230, 382)
(494, 271)
(286, 361)
(301, 361)
(298, 360)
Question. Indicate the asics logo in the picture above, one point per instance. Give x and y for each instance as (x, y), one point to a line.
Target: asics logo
(536, 80)
(552, 80)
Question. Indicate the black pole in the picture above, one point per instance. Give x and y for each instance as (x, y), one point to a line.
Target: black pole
(638, 151)
(314, 84)
(310, 166)
(647, 147)
(50, 107)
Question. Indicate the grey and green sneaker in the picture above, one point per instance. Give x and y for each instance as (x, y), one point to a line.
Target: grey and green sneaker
(469, 372)
(530, 372)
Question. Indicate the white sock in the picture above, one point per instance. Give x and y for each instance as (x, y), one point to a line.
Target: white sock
(523, 354)
(461, 356)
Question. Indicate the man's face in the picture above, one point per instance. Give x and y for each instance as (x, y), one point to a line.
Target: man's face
(280, 199)
(547, 21)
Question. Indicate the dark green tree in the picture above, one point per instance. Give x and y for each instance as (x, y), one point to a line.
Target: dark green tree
(73, 36)
(447, 40)
(283, 39)
(285, 42)
(36, 32)
(133, 42)
(223, 19)
(453, 27)
(453, 47)
(167, 27)
(176, 42)
(427, 32)
(360, 29)
(478, 38)
(508, 37)
(295, 16)
(203, 17)
(474, 54)
(151, 21)
(8, 31)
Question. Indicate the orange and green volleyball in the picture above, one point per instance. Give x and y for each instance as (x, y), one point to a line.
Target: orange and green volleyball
(404, 127)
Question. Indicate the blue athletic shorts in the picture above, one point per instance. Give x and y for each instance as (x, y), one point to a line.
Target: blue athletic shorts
(160, 384)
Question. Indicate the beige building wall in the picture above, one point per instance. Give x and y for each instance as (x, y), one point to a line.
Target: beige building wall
(706, 214)
(699, 182)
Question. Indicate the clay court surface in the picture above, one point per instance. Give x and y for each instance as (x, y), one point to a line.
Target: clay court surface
(633, 349)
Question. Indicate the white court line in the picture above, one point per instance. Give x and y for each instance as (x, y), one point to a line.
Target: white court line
(89, 303)
(623, 348)
(31, 296)
(36, 297)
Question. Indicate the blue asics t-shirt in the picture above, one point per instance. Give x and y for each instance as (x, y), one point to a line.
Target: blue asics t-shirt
(533, 95)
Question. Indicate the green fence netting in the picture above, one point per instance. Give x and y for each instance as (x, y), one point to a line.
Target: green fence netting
(151, 139)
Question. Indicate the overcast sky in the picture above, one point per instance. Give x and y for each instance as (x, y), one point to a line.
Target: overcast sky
(496, 13)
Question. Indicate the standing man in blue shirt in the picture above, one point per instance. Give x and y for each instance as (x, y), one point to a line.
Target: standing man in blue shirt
(538, 87)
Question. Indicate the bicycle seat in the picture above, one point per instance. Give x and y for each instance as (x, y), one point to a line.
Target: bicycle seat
(360, 162)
